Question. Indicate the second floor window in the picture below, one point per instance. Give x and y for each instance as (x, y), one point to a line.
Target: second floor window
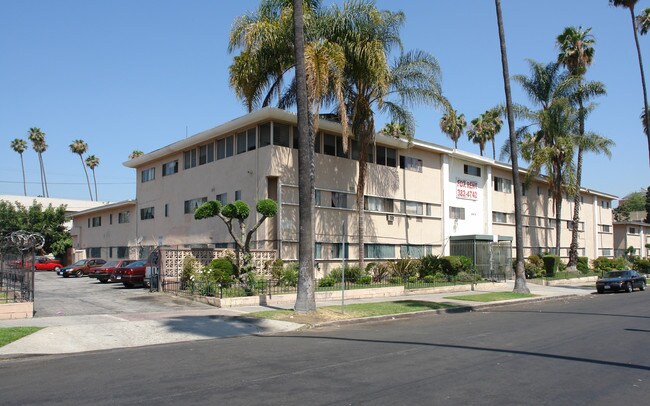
(457, 213)
(193, 204)
(146, 213)
(170, 168)
(502, 185)
(339, 200)
(148, 174)
(123, 217)
(410, 163)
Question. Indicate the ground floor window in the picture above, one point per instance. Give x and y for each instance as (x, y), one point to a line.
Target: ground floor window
(414, 251)
(94, 252)
(379, 251)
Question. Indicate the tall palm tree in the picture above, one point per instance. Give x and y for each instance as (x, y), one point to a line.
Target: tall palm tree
(80, 147)
(520, 275)
(37, 137)
(93, 162)
(485, 128)
(576, 54)
(643, 21)
(550, 147)
(19, 146)
(453, 124)
(629, 4)
(136, 153)
(305, 298)
(477, 134)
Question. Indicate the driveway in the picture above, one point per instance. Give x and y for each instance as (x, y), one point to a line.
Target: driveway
(58, 296)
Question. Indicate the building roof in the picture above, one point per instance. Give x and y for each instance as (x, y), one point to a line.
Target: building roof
(72, 206)
(110, 206)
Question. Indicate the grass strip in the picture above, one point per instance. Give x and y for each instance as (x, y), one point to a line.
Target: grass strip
(11, 334)
(492, 296)
(352, 311)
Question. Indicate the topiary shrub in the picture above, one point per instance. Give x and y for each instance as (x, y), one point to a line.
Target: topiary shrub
(219, 270)
(352, 273)
(583, 265)
(365, 280)
(327, 281)
(551, 264)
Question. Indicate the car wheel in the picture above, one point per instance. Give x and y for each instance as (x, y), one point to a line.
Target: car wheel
(56, 268)
(65, 275)
(79, 274)
(600, 290)
(127, 285)
(642, 287)
(628, 287)
(103, 280)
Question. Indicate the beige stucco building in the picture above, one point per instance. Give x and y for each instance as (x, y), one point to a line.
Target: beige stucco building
(418, 196)
(633, 233)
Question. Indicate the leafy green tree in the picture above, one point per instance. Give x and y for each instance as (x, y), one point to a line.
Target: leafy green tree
(37, 137)
(520, 276)
(629, 4)
(93, 162)
(80, 147)
(635, 201)
(576, 54)
(136, 153)
(453, 124)
(49, 222)
(19, 146)
(238, 212)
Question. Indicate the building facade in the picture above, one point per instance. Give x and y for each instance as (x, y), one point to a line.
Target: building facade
(418, 196)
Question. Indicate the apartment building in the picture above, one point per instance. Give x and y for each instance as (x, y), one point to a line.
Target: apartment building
(633, 233)
(419, 196)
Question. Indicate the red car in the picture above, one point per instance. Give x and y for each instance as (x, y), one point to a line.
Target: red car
(131, 274)
(103, 273)
(47, 264)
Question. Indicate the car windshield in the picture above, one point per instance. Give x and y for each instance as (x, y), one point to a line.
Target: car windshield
(137, 263)
(617, 274)
(80, 262)
(111, 264)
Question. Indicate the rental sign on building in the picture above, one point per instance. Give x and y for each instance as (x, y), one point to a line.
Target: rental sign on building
(466, 189)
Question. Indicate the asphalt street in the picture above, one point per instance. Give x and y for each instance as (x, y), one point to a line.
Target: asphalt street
(584, 350)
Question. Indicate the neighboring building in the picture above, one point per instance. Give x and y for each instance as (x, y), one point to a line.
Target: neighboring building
(633, 233)
(418, 196)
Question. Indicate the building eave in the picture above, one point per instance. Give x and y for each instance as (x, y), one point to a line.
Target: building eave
(111, 206)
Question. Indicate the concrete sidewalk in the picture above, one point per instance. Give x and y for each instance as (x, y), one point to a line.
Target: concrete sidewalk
(72, 334)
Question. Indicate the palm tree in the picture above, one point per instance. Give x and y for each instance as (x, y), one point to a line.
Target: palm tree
(643, 21)
(136, 153)
(476, 134)
(453, 124)
(92, 162)
(37, 137)
(520, 275)
(485, 128)
(19, 146)
(629, 4)
(644, 122)
(396, 130)
(576, 54)
(305, 298)
(551, 145)
(80, 147)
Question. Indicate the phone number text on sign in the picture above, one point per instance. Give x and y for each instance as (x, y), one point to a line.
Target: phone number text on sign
(466, 189)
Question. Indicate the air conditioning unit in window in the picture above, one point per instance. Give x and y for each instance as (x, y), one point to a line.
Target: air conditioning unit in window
(390, 218)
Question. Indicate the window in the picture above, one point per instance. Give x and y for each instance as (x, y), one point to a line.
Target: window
(225, 147)
(122, 252)
(634, 230)
(604, 228)
(414, 251)
(294, 133)
(414, 208)
(329, 144)
(96, 221)
(410, 163)
(123, 217)
(193, 204)
(337, 250)
(265, 135)
(317, 144)
(170, 168)
(606, 252)
(318, 251)
(110, 218)
(246, 141)
(502, 185)
(472, 170)
(457, 213)
(581, 225)
(317, 198)
(339, 200)
(386, 156)
(94, 252)
(237, 194)
(166, 210)
(524, 189)
(539, 191)
(148, 174)
(379, 204)
(379, 251)
(223, 198)
(499, 217)
(189, 159)
(339, 148)
(206, 153)
(146, 213)
(281, 135)
(605, 204)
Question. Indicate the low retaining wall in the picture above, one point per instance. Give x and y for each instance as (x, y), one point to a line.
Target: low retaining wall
(9, 311)
(561, 282)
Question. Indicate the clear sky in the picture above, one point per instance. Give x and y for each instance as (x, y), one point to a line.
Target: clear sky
(125, 75)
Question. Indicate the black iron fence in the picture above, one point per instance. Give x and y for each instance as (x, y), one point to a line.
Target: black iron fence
(16, 285)
(272, 287)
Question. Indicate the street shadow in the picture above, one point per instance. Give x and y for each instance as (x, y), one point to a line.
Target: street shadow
(637, 330)
(571, 313)
(215, 326)
(481, 349)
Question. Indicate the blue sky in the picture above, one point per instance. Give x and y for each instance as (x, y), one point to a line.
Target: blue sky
(125, 75)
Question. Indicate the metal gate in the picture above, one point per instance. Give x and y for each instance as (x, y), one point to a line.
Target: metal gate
(492, 260)
(17, 258)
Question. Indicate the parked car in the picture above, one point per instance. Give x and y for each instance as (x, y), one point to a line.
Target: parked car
(103, 273)
(620, 280)
(81, 267)
(47, 264)
(131, 274)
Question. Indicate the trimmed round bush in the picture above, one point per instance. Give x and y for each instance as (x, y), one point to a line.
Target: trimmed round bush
(267, 207)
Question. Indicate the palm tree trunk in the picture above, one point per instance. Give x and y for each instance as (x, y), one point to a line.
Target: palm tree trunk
(645, 93)
(520, 276)
(494, 150)
(47, 192)
(95, 181)
(305, 298)
(22, 164)
(573, 248)
(361, 187)
(87, 179)
(40, 163)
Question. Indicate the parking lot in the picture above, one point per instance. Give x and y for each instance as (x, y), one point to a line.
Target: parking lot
(58, 296)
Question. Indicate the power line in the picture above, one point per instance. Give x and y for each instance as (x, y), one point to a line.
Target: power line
(69, 183)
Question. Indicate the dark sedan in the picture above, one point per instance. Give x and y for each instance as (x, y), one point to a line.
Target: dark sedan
(620, 280)
(104, 272)
(131, 274)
